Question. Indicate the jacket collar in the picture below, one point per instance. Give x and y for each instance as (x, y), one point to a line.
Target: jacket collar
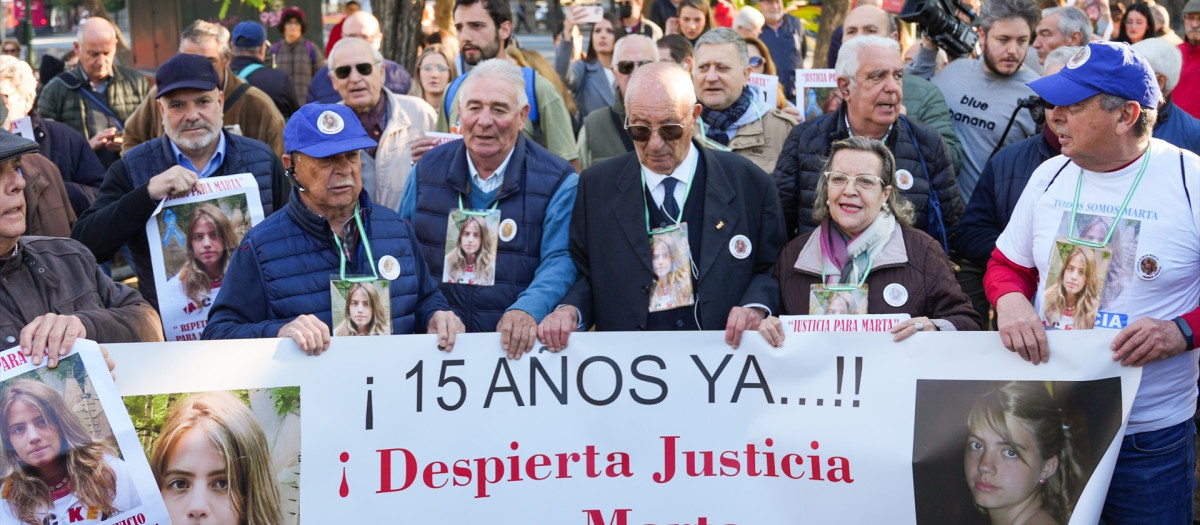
(232, 151)
(514, 173)
(317, 226)
(810, 260)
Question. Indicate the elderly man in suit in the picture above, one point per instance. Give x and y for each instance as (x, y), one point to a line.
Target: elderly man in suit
(720, 263)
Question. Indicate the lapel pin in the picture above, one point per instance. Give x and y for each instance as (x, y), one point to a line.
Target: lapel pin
(720, 224)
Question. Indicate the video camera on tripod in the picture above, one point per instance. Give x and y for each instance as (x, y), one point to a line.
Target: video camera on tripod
(939, 19)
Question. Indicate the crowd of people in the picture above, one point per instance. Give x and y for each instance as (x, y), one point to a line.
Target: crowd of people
(641, 180)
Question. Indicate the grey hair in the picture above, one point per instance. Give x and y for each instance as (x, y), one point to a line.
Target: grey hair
(1146, 118)
(493, 70)
(376, 56)
(1060, 56)
(996, 10)
(19, 74)
(896, 204)
(1071, 20)
(724, 35)
(749, 18)
(848, 63)
(1164, 59)
(628, 40)
(200, 31)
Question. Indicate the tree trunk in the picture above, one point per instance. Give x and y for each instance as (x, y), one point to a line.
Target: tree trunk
(833, 13)
(443, 16)
(400, 21)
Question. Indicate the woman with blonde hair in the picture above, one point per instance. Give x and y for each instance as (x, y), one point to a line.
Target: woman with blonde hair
(1072, 303)
(364, 313)
(56, 467)
(212, 461)
(435, 72)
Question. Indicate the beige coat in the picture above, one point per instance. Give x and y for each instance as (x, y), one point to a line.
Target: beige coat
(385, 175)
(760, 141)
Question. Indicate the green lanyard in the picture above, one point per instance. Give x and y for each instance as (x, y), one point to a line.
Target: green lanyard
(362, 233)
(687, 191)
(1071, 238)
(476, 213)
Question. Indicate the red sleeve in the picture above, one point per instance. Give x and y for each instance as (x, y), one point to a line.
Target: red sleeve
(1004, 276)
(1192, 319)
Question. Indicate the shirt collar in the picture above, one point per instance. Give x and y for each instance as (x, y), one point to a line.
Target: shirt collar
(683, 172)
(491, 183)
(213, 162)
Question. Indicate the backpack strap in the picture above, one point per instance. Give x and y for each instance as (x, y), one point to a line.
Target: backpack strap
(75, 83)
(249, 70)
(233, 97)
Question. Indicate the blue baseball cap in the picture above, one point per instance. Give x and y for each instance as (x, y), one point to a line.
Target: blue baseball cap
(184, 71)
(249, 34)
(1101, 67)
(324, 130)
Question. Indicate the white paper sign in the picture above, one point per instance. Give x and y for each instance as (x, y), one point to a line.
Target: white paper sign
(443, 138)
(813, 89)
(768, 88)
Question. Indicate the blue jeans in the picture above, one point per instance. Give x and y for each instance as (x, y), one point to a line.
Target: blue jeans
(1154, 478)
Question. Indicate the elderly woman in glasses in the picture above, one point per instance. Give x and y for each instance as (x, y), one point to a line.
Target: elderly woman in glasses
(865, 244)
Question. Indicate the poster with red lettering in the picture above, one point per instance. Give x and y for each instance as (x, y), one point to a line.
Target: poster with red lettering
(192, 237)
(71, 454)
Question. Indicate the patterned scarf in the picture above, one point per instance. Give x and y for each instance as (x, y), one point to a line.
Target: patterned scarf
(717, 122)
(847, 260)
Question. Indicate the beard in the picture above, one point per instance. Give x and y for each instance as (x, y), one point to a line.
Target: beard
(994, 68)
(193, 143)
(486, 52)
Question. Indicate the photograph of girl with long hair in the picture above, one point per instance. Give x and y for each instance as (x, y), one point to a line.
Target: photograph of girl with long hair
(365, 313)
(54, 468)
(210, 243)
(1020, 463)
(1072, 296)
(472, 257)
(673, 274)
(213, 465)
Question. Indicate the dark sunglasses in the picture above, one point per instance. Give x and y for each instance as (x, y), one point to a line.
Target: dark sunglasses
(642, 132)
(364, 69)
(626, 67)
(756, 61)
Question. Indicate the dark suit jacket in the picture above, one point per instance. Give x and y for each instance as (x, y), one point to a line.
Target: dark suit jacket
(612, 250)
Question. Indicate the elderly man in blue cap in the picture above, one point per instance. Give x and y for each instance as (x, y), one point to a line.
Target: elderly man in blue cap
(249, 46)
(279, 281)
(1115, 195)
(194, 146)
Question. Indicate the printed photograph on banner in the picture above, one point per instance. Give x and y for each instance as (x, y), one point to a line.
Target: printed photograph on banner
(247, 441)
(1076, 277)
(816, 92)
(992, 451)
(1123, 246)
(823, 301)
(471, 241)
(672, 263)
(361, 308)
(70, 453)
(192, 239)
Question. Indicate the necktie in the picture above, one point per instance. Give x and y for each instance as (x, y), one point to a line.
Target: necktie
(670, 206)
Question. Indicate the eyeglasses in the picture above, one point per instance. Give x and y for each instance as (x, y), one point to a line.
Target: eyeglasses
(863, 182)
(430, 67)
(626, 67)
(364, 69)
(642, 132)
(756, 61)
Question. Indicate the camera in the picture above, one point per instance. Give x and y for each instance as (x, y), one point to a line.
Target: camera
(939, 19)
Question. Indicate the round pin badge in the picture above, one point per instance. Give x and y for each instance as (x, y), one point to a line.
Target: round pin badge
(389, 267)
(895, 294)
(904, 179)
(330, 123)
(508, 230)
(1148, 267)
(1079, 58)
(740, 247)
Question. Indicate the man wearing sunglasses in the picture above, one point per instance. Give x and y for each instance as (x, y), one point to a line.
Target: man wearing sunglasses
(735, 116)
(393, 120)
(365, 26)
(734, 230)
(603, 136)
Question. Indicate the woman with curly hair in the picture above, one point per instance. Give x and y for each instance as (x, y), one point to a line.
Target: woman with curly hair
(57, 469)
(472, 261)
(212, 464)
(364, 313)
(1072, 302)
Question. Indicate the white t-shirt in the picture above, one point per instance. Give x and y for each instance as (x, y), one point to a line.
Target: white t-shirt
(1160, 229)
(68, 509)
(183, 319)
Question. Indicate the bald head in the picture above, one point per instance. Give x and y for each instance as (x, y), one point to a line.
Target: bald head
(96, 46)
(868, 20)
(363, 25)
(661, 105)
(661, 81)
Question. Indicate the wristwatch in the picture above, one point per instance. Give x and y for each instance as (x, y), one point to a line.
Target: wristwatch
(1187, 332)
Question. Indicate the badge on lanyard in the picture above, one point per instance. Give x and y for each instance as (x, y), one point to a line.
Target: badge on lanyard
(1074, 285)
(671, 259)
(471, 240)
(837, 300)
(362, 307)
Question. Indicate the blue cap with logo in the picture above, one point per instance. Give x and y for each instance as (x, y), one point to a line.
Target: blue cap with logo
(184, 71)
(325, 130)
(249, 34)
(1101, 67)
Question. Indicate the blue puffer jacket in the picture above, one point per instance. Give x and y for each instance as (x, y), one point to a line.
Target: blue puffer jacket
(1177, 127)
(996, 194)
(283, 266)
(531, 179)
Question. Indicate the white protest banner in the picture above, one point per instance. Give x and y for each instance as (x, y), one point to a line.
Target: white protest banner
(192, 236)
(70, 421)
(813, 89)
(639, 428)
(443, 138)
(768, 88)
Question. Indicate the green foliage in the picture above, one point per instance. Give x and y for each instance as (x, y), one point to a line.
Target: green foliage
(257, 4)
(287, 399)
(112, 6)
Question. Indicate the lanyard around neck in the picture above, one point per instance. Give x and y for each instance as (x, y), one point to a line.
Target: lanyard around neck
(687, 191)
(476, 213)
(362, 234)
(1071, 238)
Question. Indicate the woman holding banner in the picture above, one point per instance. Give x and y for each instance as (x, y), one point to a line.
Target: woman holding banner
(212, 464)
(57, 469)
(864, 246)
(1019, 461)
